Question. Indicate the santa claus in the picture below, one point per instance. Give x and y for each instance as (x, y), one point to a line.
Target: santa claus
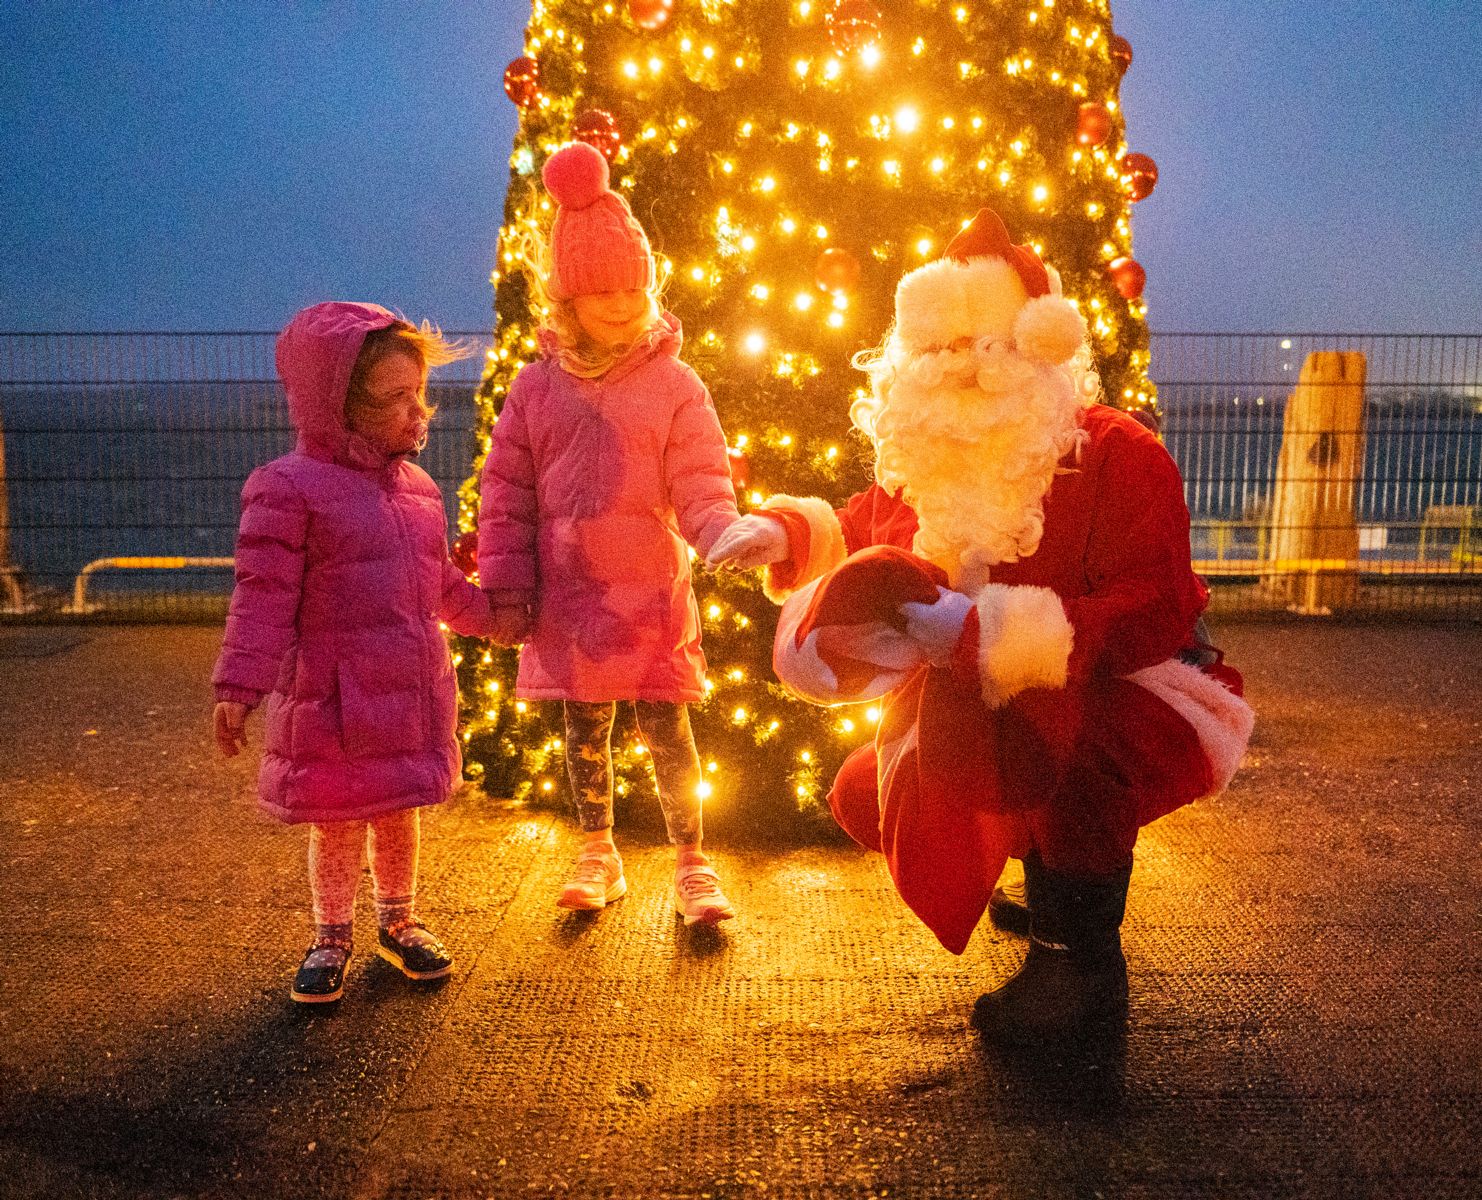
(1016, 587)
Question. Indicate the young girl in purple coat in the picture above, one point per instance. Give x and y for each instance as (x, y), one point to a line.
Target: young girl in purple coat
(606, 459)
(343, 575)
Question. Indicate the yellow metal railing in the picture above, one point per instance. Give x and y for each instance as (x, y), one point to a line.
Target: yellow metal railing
(79, 587)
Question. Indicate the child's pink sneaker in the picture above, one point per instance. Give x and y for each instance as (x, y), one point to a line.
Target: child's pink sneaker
(597, 881)
(697, 895)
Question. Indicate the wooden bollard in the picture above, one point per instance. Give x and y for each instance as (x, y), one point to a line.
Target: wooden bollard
(1313, 547)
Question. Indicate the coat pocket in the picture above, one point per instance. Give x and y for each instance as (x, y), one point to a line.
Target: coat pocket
(378, 724)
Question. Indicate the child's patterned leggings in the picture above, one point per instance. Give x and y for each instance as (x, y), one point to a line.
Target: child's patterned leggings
(665, 730)
(336, 851)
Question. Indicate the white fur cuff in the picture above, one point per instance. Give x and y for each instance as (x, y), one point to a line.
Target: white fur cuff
(825, 541)
(1024, 641)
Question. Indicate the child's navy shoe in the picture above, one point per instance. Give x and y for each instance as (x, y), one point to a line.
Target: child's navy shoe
(410, 948)
(321, 976)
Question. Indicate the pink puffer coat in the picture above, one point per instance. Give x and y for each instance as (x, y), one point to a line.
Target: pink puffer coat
(590, 491)
(342, 574)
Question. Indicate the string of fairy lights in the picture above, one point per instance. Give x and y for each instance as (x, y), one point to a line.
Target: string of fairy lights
(799, 136)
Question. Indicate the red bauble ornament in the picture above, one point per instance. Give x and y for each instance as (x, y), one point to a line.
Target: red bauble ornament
(836, 270)
(1093, 124)
(1128, 276)
(522, 81)
(599, 128)
(1139, 175)
(649, 14)
(465, 552)
(852, 25)
(740, 468)
(1120, 50)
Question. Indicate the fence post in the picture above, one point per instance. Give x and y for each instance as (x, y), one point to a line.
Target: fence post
(1313, 551)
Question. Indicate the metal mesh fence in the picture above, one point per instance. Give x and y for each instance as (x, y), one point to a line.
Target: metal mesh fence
(1330, 472)
(124, 455)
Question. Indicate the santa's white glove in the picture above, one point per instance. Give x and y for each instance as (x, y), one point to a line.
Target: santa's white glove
(936, 627)
(748, 542)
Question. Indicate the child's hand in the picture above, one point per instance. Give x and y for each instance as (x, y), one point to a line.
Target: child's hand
(230, 721)
(512, 623)
(750, 541)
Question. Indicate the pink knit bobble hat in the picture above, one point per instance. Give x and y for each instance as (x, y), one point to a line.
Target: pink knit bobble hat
(596, 244)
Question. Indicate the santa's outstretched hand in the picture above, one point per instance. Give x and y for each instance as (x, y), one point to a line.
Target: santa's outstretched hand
(750, 541)
(936, 627)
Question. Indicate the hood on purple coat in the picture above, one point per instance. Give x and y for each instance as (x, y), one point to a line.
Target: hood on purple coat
(316, 355)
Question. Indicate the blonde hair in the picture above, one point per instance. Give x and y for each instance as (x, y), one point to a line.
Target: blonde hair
(578, 353)
(425, 343)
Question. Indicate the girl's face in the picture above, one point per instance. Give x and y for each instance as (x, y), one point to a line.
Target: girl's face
(395, 414)
(613, 318)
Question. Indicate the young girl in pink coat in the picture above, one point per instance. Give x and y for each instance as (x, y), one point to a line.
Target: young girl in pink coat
(342, 575)
(606, 460)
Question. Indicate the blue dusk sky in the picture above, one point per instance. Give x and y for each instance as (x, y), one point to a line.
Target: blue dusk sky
(217, 165)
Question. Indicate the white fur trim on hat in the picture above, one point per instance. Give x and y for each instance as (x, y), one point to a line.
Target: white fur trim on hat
(825, 541)
(1024, 641)
(1049, 329)
(1222, 721)
(943, 301)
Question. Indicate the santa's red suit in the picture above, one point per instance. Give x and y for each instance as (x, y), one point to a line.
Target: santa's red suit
(1063, 722)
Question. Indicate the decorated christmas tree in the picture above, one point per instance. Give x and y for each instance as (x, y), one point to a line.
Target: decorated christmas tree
(791, 159)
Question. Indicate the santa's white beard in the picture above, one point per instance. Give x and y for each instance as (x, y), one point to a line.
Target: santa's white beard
(973, 436)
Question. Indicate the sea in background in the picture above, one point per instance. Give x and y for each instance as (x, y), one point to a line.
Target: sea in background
(156, 468)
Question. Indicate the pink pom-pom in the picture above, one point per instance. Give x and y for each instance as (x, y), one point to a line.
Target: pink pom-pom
(576, 175)
(1049, 329)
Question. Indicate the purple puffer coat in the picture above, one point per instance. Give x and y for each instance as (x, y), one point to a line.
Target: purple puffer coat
(590, 490)
(342, 574)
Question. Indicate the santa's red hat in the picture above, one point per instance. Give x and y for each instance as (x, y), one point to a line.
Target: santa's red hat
(985, 286)
(842, 639)
(986, 236)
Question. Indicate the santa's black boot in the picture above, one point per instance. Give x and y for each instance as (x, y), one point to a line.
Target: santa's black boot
(1008, 907)
(1073, 983)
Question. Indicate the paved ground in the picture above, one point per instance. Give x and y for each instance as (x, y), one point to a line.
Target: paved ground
(1305, 958)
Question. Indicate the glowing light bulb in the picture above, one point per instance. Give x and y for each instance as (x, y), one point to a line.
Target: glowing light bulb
(907, 119)
(754, 343)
